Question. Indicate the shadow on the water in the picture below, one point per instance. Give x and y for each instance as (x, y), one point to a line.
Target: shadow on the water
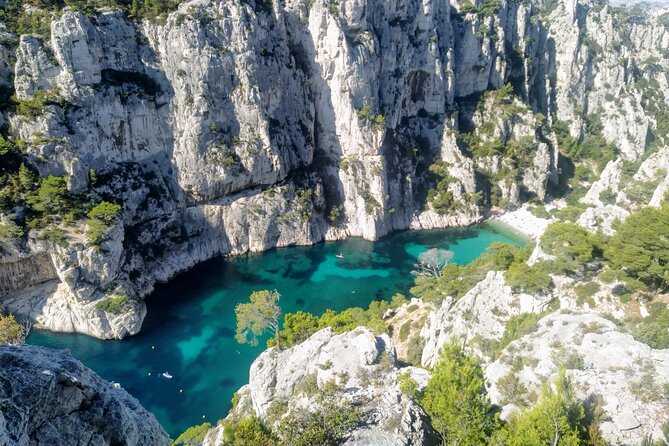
(227, 382)
(226, 332)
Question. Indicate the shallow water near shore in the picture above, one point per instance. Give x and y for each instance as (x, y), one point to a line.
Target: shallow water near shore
(190, 326)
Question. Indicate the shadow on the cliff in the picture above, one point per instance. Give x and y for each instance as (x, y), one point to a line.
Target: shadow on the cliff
(327, 154)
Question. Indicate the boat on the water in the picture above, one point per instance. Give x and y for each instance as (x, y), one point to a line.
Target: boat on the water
(339, 256)
(167, 375)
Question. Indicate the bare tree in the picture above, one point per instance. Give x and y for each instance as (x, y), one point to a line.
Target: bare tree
(432, 262)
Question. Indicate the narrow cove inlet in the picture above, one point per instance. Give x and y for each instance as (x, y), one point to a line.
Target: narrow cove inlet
(189, 330)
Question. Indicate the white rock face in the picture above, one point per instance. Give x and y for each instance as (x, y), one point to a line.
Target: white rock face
(609, 180)
(602, 217)
(481, 313)
(362, 364)
(602, 362)
(236, 126)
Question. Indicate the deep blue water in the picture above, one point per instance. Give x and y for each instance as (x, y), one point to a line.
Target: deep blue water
(189, 330)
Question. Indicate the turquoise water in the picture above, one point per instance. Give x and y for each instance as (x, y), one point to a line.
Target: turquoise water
(190, 326)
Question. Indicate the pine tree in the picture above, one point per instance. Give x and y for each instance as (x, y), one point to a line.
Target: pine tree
(260, 314)
(135, 8)
(27, 179)
(456, 401)
(556, 420)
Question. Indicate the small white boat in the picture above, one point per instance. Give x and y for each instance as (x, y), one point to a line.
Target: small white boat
(339, 256)
(167, 375)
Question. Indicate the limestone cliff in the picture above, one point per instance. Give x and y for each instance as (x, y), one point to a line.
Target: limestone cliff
(48, 397)
(226, 127)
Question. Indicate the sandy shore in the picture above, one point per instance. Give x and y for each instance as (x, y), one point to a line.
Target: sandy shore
(524, 222)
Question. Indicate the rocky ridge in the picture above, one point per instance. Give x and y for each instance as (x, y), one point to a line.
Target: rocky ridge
(624, 378)
(356, 367)
(48, 397)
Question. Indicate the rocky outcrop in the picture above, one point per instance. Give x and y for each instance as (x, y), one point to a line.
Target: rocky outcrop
(624, 379)
(628, 378)
(481, 314)
(48, 397)
(63, 287)
(22, 273)
(357, 363)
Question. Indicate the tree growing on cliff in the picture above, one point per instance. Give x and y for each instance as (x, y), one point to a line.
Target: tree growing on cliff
(101, 218)
(558, 419)
(456, 401)
(257, 316)
(11, 331)
(640, 247)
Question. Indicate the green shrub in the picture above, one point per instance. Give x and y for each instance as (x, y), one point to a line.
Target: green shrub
(56, 236)
(35, 106)
(52, 196)
(112, 305)
(105, 212)
(593, 147)
(467, 7)
(193, 436)
(456, 280)
(96, 232)
(572, 245)
(557, 418)
(540, 212)
(518, 326)
(512, 390)
(10, 232)
(248, 431)
(438, 195)
(456, 402)
(654, 329)
(11, 331)
(372, 206)
(329, 425)
(276, 410)
(415, 349)
(101, 217)
(405, 330)
(572, 212)
(489, 7)
(297, 327)
(568, 359)
(366, 113)
(351, 318)
(533, 279)
(637, 249)
(585, 292)
(408, 386)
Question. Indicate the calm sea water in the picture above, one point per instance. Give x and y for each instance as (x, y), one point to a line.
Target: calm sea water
(190, 327)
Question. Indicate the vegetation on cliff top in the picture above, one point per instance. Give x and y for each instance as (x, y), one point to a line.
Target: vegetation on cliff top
(34, 16)
(456, 401)
(45, 204)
